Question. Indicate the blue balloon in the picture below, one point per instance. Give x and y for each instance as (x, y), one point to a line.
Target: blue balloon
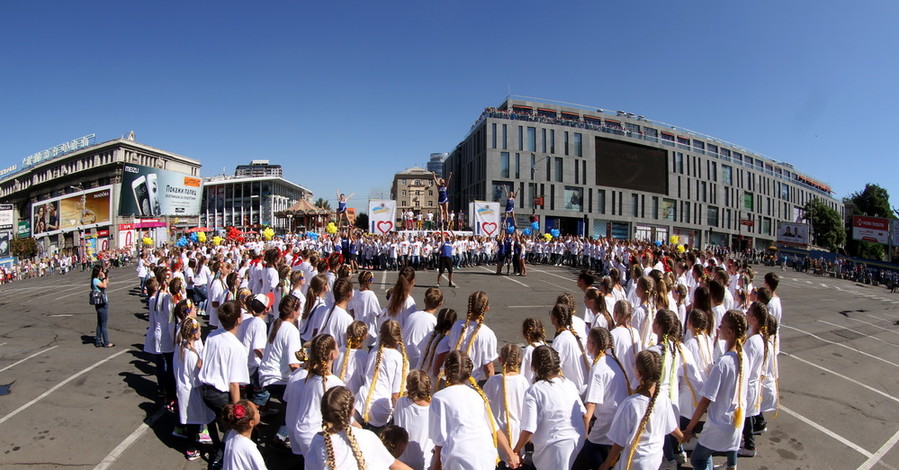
(182, 242)
(510, 229)
(555, 232)
(194, 237)
(658, 243)
(535, 225)
(527, 231)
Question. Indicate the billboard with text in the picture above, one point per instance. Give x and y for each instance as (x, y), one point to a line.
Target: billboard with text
(151, 192)
(870, 229)
(88, 207)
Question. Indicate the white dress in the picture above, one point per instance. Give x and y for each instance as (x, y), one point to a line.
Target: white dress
(191, 407)
(554, 413)
(461, 427)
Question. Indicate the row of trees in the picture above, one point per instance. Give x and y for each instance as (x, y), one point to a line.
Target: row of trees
(829, 230)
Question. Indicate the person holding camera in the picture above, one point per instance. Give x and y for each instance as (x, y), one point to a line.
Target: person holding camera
(101, 303)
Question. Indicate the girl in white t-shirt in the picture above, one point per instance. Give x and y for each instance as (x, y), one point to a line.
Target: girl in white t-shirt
(607, 387)
(297, 286)
(756, 350)
(437, 346)
(570, 346)
(315, 303)
(413, 415)
(642, 420)
(241, 452)
(553, 414)
(340, 446)
(724, 397)
(279, 358)
(304, 393)
(644, 313)
(475, 338)
(337, 319)
(350, 367)
(459, 427)
(365, 306)
(596, 303)
(385, 377)
(534, 336)
(401, 303)
(506, 392)
(626, 342)
(193, 413)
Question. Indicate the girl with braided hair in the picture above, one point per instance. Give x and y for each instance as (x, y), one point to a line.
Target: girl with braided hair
(315, 307)
(506, 392)
(724, 397)
(553, 414)
(607, 387)
(353, 357)
(596, 303)
(579, 325)
(338, 319)
(340, 446)
(305, 390)
(438, 344)
(644, 312)
(413, 415)
(192, 412)
(626, 341)
(459, 429)
(365, 306)
(756, 350)
(385, 377)
(769, 379)
(642, 420)
(570, 346)
(475, 338)
(534, 336)
(240, 450)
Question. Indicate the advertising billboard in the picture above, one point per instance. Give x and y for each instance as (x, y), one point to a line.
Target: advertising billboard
(6, 216)
(89, 207)
(24, 229)
(151, 192)
(4, 244)
(870, 229)
(791, 233)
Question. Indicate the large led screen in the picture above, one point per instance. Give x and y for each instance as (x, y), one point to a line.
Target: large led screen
(631, 166)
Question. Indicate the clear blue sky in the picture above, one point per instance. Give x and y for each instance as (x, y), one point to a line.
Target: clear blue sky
(345, 94)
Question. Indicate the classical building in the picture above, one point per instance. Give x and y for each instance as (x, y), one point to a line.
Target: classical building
(414, 189)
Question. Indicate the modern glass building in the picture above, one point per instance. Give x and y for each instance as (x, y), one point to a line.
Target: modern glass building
(593, 172)
(249, 203)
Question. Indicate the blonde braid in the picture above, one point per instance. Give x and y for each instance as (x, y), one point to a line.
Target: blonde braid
(474, 385)
(329, 449)
(627, 381)
(473, 336)
(687, 379)
(642, 426)
(425, 363)
(405, 368)
(346, 360)
(506, 404)
(357, 452)
(374, 381)
(461, 335)
(738, 414)
(580, 345)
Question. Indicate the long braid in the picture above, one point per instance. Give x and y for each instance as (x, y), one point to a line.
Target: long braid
(346, 359)
(506, 404)
(461, 335)
(627, 380)
(474, 335)
(738, 414)
(474, 385)
(405, 368)
(686, 378)
(357, 452)
(647, 359)
(329, 449)
(374, 381)
(425, 362)
(580, 345)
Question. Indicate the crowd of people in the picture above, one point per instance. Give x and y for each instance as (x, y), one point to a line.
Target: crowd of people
(660, 347)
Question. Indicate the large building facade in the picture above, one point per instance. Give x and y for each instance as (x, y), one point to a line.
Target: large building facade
(592, 172)
(414, 190)
(249, 203)
(83, 196)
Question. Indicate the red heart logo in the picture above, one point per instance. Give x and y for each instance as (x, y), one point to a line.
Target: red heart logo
(387, 224)
(489, 228)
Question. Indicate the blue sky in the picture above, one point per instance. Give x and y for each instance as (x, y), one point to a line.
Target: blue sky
(344, 94)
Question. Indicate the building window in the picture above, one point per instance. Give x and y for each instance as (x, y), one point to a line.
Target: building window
(712, 216)
(635, 202)
(748, 201)
(543, 145)
(520, 138)
(504, 164)
(532, 139)
(601, 201)
(655, 207)
(517, 166)
(669, 209)
(727, 174)
(578, 144)
(566, 142)
(505, 136)
(404, 192)
(430, 192)
(494, 135)
(559, 169)
(430, 203)
(679, 162)
(552, 141)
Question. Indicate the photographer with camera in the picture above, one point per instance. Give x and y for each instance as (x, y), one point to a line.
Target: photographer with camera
(100, 302)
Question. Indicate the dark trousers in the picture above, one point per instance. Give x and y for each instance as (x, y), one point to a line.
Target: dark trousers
(102, 336)
(216, 401)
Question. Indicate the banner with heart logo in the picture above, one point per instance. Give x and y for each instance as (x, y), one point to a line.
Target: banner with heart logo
(381, 216)
(484, 217)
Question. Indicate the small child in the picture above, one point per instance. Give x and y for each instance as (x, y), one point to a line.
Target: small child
(395, 440)
(350, 367)
(570, 346)
(506, 392)
(241, 452)
(412, 414)
(437, 346)
(607, 387)
(192, 412)
(535, 336)
(385, 377)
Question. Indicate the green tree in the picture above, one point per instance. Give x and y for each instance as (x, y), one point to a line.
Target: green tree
(873, 201)
(23, 247)
(826, 224)
(322, 203)
(362, 220)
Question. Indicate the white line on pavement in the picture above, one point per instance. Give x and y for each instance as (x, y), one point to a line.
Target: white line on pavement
(509, 278)
(849, 379)
(830, 433)
(27, 358)
(841, 345)
(567, 278)
(383, 277)
(60, 385)
(871, 324)
(125, 444)
(875, 458)
(856, 332)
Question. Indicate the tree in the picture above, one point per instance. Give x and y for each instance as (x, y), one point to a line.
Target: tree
(826, 224)
(23, 247)
(362, 220)
(322, 203)
(873, 201)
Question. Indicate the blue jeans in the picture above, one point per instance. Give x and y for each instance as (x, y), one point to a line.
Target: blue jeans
(701, 459)
(102, 337)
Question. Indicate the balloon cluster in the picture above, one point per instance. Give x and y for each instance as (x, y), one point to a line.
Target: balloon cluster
(182, 242)
(312, 235)
(547, 237)
(148, 241)
(217, 240)
(331, 229)
(268, 233)
(233, 233)
(527, 231)
(510, 229)
(194, 237)
(201, 237)
(535, 226)
(555, 233)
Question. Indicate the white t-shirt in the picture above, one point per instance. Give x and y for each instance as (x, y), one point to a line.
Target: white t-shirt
(416, 333)
(482, 352)
(335, 324)
(376, 456)
(191, 407)
(279, 354)
(648, 455)
(627, 344)
(526, 367)
(553, 411)
(355, 370)
(606, 388)
(241, 453)
(514, 395)
(753, 352)
(253, 333)
(460, 425)
(304, 411)
(405, 310)
(415, 420)
(366, 307)
(720, 388)
(573, 366)
(224, 362)
(390, 375)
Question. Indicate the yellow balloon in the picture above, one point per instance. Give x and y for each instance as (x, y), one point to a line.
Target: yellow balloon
(148, 241)
(268, 233)
(217, 240)
(674, 239)
(547, 236)
(201, 237)
(680, 248)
